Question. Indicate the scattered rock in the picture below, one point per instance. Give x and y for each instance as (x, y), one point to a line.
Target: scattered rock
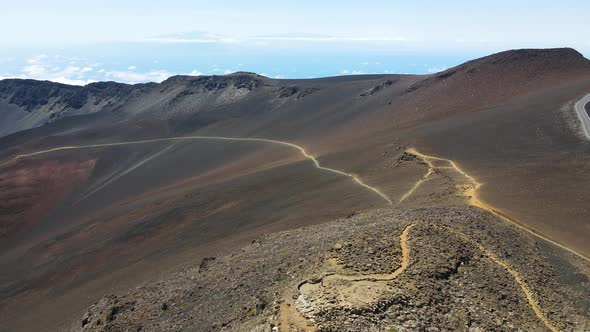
(408, 157)
(377, 88)
(449, 285)
(299, 93)
(205, 263)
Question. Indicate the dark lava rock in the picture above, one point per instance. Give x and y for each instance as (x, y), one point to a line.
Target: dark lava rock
(32, 94)
(407, 157)
(299, 93)
(205, 263)
(377, 88)
(288, 91)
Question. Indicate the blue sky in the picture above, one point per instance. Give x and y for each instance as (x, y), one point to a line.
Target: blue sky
(134, 41)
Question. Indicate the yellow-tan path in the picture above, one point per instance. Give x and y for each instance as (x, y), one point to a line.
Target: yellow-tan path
(405, 262)
(474, 199)
(316, 163)
(528, 293)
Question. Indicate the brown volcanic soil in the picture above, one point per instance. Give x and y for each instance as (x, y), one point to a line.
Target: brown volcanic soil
(508, 120)
(492, 80)
(29, 192)
(503, 118)
(465, 270)
(448, 286)
(533, 166)
(215, 195)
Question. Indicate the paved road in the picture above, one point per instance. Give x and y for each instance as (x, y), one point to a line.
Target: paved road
(583, 115)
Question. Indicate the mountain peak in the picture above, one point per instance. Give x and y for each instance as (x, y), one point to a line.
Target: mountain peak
(547, 55)
(524, 64)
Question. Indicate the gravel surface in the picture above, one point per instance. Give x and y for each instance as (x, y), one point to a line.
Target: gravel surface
(449, 283)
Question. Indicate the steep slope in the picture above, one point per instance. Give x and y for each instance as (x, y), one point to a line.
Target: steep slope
(27, 104)
(493, 80)
(385, 270)
(111, 213)
(511, 123)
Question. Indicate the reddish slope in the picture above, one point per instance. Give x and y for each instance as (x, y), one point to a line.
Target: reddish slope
(29, 191)
(492, 80)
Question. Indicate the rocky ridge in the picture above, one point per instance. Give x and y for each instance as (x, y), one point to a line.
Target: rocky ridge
(449, 285)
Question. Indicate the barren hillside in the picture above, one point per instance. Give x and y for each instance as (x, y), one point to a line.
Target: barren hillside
(109, 186)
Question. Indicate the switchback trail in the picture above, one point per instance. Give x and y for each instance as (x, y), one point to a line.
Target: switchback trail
(405, 262)
(290, 316)
(474, 200)
(355, 178)
(528, 293)
(403, 241)
(417, 184)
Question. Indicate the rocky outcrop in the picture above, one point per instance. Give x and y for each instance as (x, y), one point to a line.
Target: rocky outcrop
(26, 104)
(31, 94)
(295, 91)
(377, 88)
(448, 285)
(194, 84)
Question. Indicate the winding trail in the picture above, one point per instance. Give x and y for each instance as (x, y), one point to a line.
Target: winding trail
(471, 192)
(474, 200)
(530, 298)
(127, 171)
(291, 317)
(419, 182)
(405, 261)
(403, 242)
(218, 138)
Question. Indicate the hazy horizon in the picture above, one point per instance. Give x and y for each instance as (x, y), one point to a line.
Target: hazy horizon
(133, 41)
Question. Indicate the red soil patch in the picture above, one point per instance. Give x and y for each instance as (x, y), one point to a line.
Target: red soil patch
(31, 189)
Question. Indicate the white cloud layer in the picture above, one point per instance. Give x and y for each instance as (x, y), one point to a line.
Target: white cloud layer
(211, 38)
(74, 71)
(351, 72)
(40, 67)
(191, 38)
(133, 77)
